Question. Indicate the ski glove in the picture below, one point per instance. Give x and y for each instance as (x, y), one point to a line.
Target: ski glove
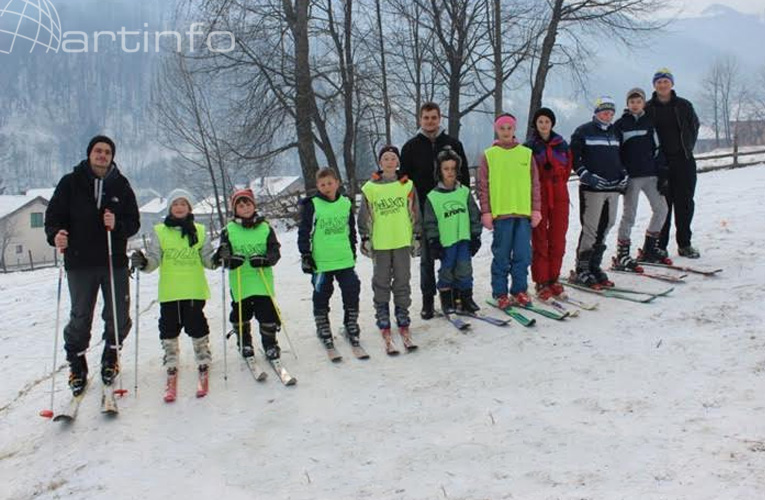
(260, 261)
(223, 253)
(662, 185)
(307, 263)
(366, 248)
(475, 245)
(594, 180)
(435, 249)
(138, 260)
(416, 249)
(235, 261)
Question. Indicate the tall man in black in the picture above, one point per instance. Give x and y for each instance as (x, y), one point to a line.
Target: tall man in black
(418, 162)
(87, 202)
(678, 127)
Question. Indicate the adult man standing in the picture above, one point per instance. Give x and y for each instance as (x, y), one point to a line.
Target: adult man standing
(89, 201)
(418, 162)
(678, 127)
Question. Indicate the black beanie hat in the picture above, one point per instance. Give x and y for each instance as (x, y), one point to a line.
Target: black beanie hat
(104, 139)
(388, 149)
(544, 112)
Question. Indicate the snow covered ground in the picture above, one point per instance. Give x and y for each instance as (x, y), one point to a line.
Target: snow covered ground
(657, 401)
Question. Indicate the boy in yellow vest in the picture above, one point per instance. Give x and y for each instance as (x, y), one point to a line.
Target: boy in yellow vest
(327, 244)
(181, 250)
(249, 249)
(389, 225)
(452, 227)
(508, 189)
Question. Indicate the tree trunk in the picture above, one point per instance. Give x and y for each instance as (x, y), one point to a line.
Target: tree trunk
(348, 70)
(385, 97)
(499, 80)
(537, 90)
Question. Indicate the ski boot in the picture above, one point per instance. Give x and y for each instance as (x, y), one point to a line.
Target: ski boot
(78, 375)
(109, 366)
(652, 252)
(595, 260)
(323, 328)
(544, 292)
(520, 299)
(622, 260)
(582, 275)
(351, 323)
(427, 311)
(447, 301)
(467, 304)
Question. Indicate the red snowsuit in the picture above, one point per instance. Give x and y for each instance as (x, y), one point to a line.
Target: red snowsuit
(548, 239)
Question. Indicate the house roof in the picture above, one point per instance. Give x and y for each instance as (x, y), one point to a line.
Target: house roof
(46, 193)
(11, 203)
(154, 206)
(273, 185)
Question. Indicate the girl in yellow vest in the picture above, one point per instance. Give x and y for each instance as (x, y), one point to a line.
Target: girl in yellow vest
(508, 190)
(181, 250)
(249, 249)
(389, 226)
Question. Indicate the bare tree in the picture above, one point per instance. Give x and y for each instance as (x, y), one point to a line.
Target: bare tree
(565, 23)
(721, 88)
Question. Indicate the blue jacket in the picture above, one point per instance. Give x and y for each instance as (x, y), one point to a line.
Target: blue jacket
(595, 148)
(640, 150)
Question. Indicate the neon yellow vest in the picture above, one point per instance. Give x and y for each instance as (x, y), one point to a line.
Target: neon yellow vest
(331, 240)
(248, 242)
(451, 211)
(509, 180)
(389, 207)
(181, 273)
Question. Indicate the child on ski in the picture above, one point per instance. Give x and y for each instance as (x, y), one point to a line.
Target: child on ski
(389, 226)
(327, 244)
(647, 168)
(508, 190)
(602, 178)
(452, 228)
(548, 240)
(181, 250)
(249, 249)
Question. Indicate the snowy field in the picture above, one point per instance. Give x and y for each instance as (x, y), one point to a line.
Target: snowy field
(633, 401)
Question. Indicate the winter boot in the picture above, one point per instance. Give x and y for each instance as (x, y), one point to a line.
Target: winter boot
(323, 328)
(78, 374)
(244, 339)
(202, 354)
(382, 315)
(109, 366)
(172, 350)
(689, 252)
(595, 261)
(651, 252)
(447, 301)
(467, 304)
(582, 275)
(427, 307)
(351, 322)
(622, 260)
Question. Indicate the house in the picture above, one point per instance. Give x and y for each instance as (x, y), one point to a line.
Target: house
(152, 212)
(22, 235)
(266, 188)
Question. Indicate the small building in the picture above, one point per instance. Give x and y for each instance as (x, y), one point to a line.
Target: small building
(22, 234)
(152, 212)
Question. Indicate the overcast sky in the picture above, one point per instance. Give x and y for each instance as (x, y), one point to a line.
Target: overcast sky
(692, 7)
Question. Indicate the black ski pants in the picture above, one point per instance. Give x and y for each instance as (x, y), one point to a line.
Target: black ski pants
(182, 314)
(682, 188)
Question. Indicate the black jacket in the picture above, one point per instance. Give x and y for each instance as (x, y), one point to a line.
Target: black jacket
(418, 162)
(73, 207)
(305, 231)
(595, 148)
(687, 120)
(640, 151)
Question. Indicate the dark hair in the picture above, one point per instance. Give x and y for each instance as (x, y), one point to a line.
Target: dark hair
(388, 148)
(326, 172)
(448, 154)
(430, 106)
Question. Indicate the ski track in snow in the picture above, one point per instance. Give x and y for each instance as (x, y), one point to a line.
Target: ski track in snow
(655, 401)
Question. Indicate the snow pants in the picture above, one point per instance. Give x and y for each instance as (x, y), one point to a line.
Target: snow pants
(262, 308)
(682, 188)
(456, 270)
(84, 285)
(391, 272)
(511, 248)
(597, 213)
(649, 186)
(548, 239)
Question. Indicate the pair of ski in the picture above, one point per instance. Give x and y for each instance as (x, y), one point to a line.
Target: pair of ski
(684, 269)
(334, 355)
(108, 404)
(260, 375)
(622, 293)
(513, 312)
(171, 386)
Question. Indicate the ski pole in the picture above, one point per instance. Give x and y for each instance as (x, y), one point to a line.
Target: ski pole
(120, 391)
(137, 315)
(278, 311)
(49, 412)
(223, 318)
(239, 305)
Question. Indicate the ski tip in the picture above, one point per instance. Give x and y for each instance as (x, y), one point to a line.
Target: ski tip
(46, 413)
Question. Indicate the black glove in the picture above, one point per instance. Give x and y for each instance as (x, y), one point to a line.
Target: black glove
(475, 245)
(138, 260)
(435, 249)
(223, 253)
(259, 261)
(234, 261)
(307, 263)
(663, 186)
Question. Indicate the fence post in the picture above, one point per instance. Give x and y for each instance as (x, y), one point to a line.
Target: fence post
(735, 145)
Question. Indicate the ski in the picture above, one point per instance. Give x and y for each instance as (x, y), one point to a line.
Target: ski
(108, 401)
(171, 387)
(488, 319)
(282, 372)
(333, 354)
(358, 351)
(670, 278)
(390, 346)
(520, 318)
(558, 316)
(406, 338)
(611, 293)
(457, 322)
(203, 383)
(640, 292)
(587, 306)
(685, 269)
(558, 306)
(258, 373)
(69, 412)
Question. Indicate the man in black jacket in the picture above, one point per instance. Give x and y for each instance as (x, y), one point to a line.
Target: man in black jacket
(418, 162)
(678, 128)
(89, 201)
